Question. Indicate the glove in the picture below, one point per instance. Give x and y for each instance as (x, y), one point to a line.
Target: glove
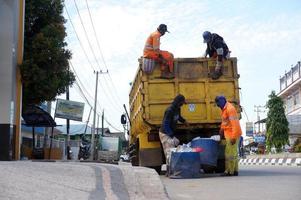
(176, 141)
(186, 124)
(233, 141)
(221, 133)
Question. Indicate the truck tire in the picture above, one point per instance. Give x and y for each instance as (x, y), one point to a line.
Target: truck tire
(158, 169)
(208, 169)
(135, 155)
(220, 166)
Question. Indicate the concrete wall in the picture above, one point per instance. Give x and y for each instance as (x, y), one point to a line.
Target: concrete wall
(10, 48)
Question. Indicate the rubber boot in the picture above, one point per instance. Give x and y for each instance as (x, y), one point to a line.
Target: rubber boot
(216, 74)
(167, 171)
(166, 75)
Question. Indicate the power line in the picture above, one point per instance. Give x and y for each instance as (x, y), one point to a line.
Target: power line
(80, 80)
(98, 113)
(244, 110)
(81, 45)
(93, 53)
(112, 125)
(98, 45)
(87, 101)
(80, 83)
(86, 57)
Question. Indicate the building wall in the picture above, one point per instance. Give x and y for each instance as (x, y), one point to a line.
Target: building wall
(11, 48)
(290, 92)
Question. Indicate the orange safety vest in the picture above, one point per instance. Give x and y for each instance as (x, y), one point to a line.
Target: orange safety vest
(152, 46)
(152, 50)
(230, 122)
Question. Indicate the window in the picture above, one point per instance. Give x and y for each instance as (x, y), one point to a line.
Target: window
(289, 104)
(296, 98)
(289, 78)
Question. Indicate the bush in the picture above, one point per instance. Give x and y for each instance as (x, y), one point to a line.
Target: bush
(297, 146)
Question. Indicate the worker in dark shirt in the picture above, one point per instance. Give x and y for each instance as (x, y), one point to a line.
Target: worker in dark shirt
(216, 48)
(166, 133)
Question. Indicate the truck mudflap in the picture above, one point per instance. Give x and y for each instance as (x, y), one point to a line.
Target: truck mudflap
(149, 157)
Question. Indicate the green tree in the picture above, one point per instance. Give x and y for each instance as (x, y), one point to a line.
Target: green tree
(277, 124)
(45, 69)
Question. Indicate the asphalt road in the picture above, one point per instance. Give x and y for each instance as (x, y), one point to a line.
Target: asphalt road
(253, 182)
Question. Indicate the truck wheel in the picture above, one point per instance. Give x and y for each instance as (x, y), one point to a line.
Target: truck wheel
(135, 155)
(157, 168)
(220, 166)
(208, 169)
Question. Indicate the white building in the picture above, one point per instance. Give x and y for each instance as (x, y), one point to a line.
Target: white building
(290, 92)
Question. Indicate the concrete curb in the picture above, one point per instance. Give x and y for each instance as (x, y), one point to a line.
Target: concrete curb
(271, 161)
(51, 179)
(143, 183)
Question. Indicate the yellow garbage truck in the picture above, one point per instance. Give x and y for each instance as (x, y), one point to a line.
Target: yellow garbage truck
(151, 95)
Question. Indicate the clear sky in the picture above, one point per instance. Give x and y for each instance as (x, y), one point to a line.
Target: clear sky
(265, 36)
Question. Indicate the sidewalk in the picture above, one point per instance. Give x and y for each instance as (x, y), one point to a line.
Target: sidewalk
(287, 159)
(76, 180)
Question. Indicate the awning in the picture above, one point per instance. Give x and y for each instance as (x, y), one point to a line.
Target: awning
(262, 121)
(35, 116)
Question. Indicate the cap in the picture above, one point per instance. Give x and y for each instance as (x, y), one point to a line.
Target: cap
(163, 28)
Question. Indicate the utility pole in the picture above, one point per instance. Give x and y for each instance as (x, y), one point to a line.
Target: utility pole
(102, 119)
(259, 109)
(88, 120)
(94, 118)
(68, 128)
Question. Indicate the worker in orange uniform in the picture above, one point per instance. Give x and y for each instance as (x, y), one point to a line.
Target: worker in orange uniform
(230, 128)
(152, 51)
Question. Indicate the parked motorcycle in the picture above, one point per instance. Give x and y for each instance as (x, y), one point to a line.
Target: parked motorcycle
(84, 149)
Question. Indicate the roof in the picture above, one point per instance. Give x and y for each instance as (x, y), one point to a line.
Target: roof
(116, 134)
(77, 129)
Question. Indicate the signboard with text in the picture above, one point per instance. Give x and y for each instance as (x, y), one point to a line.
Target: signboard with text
(69, 110)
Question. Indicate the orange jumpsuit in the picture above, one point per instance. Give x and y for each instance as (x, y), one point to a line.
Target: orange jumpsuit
(152, 51)
(230, 125)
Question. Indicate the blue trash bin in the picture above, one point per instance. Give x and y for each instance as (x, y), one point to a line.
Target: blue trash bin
(185, 165)
(209, 155)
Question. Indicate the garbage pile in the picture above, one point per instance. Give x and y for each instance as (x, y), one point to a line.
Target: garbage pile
(187, 147)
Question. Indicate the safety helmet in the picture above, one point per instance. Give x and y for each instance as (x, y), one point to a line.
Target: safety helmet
(162, 28)
(220, 101)
(207, 36)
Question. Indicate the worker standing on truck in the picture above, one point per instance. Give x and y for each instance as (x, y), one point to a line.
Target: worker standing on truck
(216, 48)
(230, 128)
(166, 133)
(152, 51)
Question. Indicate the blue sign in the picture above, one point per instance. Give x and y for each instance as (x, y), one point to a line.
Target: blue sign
(259, 139)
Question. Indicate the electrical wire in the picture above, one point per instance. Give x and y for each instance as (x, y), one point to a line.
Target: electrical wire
(99, 49)
(244, 110)
(95, 58)
(82, 94)
(81, 45)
